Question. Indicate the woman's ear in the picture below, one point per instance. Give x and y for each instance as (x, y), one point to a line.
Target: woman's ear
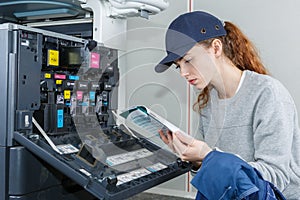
(217, 47)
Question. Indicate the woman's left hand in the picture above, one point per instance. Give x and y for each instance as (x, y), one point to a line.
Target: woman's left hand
(188, 148)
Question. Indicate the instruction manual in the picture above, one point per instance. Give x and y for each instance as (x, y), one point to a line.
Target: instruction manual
(147, 123)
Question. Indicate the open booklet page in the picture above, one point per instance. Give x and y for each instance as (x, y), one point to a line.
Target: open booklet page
(147, 123)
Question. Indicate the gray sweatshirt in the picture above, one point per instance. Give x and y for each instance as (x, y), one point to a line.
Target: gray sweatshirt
(259, 124)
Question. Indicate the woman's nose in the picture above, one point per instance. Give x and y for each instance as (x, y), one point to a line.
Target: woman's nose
(183, 72)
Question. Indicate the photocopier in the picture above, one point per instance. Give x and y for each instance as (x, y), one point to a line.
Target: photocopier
(59, 138)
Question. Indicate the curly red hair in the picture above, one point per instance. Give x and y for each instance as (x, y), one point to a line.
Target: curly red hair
(240, 50)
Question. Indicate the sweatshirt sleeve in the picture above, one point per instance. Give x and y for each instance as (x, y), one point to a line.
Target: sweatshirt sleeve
(274, 122)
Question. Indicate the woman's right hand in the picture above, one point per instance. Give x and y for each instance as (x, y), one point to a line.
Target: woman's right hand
(167, 138)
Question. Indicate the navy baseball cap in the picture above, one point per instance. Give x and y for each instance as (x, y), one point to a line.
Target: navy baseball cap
(185, 31)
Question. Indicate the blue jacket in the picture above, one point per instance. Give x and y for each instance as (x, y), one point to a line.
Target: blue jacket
(226, 176)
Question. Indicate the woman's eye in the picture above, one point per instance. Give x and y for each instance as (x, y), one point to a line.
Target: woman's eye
(187, 60)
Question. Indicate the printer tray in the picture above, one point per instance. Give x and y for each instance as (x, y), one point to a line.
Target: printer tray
(101, 179)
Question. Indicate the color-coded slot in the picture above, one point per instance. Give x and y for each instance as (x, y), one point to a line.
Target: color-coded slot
(74, 78)
(58, 82)
(47, 75)
(53, 57)
(60, 76)
(92, 96)
(67, 94)
(79, 95)
(95, 60)
(60, 118)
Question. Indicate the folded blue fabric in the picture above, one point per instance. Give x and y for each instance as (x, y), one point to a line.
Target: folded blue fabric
(226, 176)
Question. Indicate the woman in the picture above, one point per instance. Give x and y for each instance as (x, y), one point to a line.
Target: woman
(243, 111)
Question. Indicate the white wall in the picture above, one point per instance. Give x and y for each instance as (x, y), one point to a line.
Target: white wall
(273, 26)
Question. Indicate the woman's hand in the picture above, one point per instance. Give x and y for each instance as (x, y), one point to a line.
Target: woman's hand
(167, 138)
(188, 148)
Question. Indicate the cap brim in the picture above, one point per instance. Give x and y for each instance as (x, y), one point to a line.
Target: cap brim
(162, 67)
(165, 63)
